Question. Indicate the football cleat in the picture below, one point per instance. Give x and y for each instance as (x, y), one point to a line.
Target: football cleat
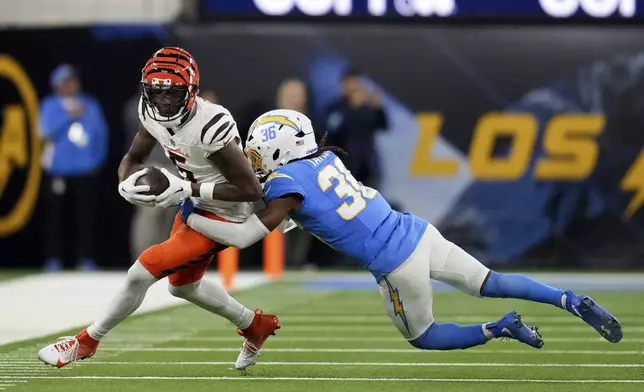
(511, 326)
(263, 326)
(69, 349)
(594, 315)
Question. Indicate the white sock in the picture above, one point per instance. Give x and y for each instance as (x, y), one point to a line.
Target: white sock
(128, 299)
(487, 332)
(212, 297)
(564, 297)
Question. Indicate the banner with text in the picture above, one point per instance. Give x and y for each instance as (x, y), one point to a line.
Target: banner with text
(522, 144)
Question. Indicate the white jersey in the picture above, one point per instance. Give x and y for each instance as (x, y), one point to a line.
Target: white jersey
(209, 130)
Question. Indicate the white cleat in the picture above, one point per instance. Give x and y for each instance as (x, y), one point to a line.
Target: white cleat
(263, 326)
(247, 356)
(68, 349)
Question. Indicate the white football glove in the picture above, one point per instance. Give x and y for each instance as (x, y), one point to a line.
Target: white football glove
(286, 226)
(178, 190)
(131, 192)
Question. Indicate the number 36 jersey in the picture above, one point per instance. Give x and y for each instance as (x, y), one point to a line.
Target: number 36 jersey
(210, 129)
(348, 216)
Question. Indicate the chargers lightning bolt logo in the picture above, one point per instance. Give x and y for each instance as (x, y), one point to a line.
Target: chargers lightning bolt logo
(634, 181)
(280, 119)
(397, 303)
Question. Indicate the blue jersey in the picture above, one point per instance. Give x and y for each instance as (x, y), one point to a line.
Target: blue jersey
(348, 216)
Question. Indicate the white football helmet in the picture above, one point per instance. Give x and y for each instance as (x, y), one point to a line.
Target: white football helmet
(278, 137)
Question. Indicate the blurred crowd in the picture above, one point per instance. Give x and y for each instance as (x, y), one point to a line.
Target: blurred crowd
(76, 139)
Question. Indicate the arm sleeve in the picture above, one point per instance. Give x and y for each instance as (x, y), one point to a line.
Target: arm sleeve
(239, 235)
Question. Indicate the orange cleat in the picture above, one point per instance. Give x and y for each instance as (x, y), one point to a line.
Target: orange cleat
(263, 326)
(69, 349)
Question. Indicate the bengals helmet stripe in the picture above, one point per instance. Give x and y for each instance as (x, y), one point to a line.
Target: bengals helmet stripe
(175, 61)
(174, 56)
(162, 74)
(170, 68)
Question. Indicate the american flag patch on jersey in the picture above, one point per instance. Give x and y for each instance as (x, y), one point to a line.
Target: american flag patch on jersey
(299, 142)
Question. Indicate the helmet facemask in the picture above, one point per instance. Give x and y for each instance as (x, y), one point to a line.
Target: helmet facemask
(167, 104)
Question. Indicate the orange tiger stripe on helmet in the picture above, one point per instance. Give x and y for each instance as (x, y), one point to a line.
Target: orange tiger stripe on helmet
(174, 60)
(177, 69)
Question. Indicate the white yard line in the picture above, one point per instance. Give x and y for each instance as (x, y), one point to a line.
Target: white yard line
(566, 318)
(336, 379)
(371, 350)
(581, 327)
(37, 300)
(348, 339)
(384, 364)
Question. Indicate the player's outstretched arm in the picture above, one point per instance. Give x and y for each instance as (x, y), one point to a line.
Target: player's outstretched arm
(256, 227)
(242, 185)
(142, 145)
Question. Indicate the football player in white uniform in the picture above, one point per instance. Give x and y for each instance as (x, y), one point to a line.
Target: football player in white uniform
(202, 140)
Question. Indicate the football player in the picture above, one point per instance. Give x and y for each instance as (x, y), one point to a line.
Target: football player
(202, 140)
(310, 184)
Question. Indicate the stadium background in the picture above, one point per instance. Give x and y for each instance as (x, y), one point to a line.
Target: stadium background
(447, 81)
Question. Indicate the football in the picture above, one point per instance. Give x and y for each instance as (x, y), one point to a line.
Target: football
(155, 179)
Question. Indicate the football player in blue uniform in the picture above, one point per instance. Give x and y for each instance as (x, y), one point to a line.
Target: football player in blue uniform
(310, 185)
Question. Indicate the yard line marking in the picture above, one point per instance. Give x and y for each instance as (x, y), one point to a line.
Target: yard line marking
(22, 365)
(392, 328)
(356, 339)
(18, 366)
(21, 371)
(447, 380)
(421, 364)
(567, 319)
(368, 350)
(25, 364)
(19, 363)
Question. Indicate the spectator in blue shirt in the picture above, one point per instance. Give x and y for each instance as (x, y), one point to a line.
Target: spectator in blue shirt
(75, 137)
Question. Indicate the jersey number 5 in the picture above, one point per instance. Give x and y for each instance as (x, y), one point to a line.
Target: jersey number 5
(346, 185)
(176, 159)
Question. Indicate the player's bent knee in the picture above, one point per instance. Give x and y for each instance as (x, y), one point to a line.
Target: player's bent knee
(427, 340)
(184, 291)
(139, 277)
(458, 268)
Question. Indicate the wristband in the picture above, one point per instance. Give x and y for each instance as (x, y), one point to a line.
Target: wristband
(206, 190)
